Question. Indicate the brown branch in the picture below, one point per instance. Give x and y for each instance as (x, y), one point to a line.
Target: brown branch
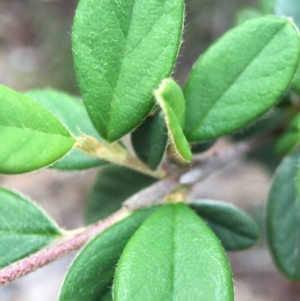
(204, 166)
(59, 249)
(147, 197)
(152, 195)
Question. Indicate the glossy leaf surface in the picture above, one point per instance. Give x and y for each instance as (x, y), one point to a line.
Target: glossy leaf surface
(283, 217)
(170, 98)
(150, 140)
(173, 256)
(31, 137)
(72, 113)
(113, 186)
(240, 77)
(24, 228)
(92, 272)
(122, 56)
(235, 229)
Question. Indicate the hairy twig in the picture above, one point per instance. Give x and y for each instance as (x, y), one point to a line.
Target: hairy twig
(203, 167)
(59, 249)
(152, 195)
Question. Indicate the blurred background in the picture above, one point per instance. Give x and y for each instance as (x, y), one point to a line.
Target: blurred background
(35, 52)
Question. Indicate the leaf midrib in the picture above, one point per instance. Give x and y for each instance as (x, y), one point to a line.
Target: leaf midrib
(38, 131)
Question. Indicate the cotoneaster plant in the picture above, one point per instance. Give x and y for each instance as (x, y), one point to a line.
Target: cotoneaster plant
(146, 239)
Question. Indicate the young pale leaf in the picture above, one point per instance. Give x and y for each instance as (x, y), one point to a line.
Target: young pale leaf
(150, 140)
(240, 77)
(170, 98)
(72, 113)
(235, 229)
(290, 8)
(31, 137)
(173, 256)
(113, 186)
(91, 274)
(122, 57)
(283, 217)
(24, 228)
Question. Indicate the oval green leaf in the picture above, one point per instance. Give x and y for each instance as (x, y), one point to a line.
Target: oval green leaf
(170, 98)
(122, 56)
(283, 217)
(91, 274)
(24, 228)
(113, 186)
(31, 137)
(150, 140)
(72, 113)
(173, 256)
(240, 77)
(235, 229)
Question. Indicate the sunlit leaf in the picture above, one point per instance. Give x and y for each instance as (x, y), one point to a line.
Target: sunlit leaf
(31, 137)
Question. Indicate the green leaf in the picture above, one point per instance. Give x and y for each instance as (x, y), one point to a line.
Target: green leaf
(170, 98)
(283, 217)
(291, 138)
(122, 56)
(235, 229)
(72, 113)
(107, 296)
(92, 272)
(113, 186)
(150, 139)
(173, 256)
(31, 137)
(24, 228)
(240, 77)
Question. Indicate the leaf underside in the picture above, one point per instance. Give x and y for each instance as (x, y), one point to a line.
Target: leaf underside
(235, 229)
